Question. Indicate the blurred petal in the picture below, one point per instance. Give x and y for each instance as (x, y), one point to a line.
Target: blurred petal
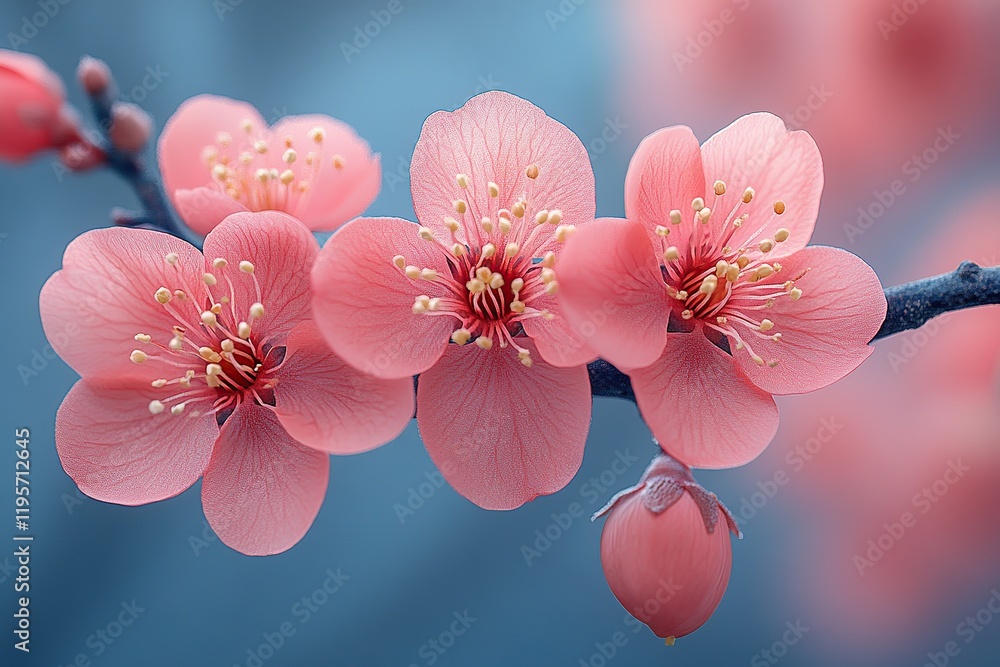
(204, 208)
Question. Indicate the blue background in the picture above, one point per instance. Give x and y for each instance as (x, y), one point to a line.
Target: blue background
(206, 605)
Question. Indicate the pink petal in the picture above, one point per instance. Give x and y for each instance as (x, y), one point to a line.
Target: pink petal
(93, 308)
(282, 251)
(612, 292)
(557, 341)
(665, 174)
(204, 208)
(500, 433)
(195, 125)
(701, 408)
(336, 195)
(825, 334)
(495, 137)
(363, 302)
(116, 451)
(326, 404)
(758, 151)
(31, 96)
(262, 489)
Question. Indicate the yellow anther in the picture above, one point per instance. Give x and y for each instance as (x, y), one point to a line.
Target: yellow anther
(675, 217)
(337, 161)
(224, 139)
(671, 254)
(720, 188)
(289, 156)
(463, 180)
(549, 260)
(708, 285)
(475, 285)
(426, 233)
(766, 246)
(461, 336)
(317, 135)
(219, 263)
(517, 306)
(452, 224)
(243, 330)
(143, 338)
(488, 251)
(209, 319)
(532, 171)
(733, 273)
(246, 267)
(781, 235)
(457, 249)
(213, 369)
(697, 203)
(757, 359)
(171, 258)
(563, 232)
(496, 281)
(487, 225)
(493, 189)
(548, 275)
(227, 346)
(687, 314)
(399, 261)
(460, 206)
(542, 217)
(485, 342)
(662, 231)
(779, 207)
(177, 409)
(156, 407)
(208, 279)
(704, 214)
(721, 267)
(518, 209)
(555, 217)
(137, 356)
(157, 384)
(257, 311)
(517, 284)
(766, 325)
(260, 146)
(742, 262)
(511, 250)
(795, 294)
(748, 195)
(412, 272)
(287, 177)
(176, 343)
(551, 288)
(428, 274)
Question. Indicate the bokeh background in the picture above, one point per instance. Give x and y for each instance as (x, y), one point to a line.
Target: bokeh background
(904, 90)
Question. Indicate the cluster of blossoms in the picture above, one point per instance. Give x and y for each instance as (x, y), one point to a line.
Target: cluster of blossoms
(247, 363)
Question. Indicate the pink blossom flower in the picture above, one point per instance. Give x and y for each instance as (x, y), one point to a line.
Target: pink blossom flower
(718, 303)
(218, 156)
(209, 366)
(32, 116)
(663, 555)
(497, 187)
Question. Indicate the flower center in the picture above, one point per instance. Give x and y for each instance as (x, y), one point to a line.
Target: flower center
(487, 278)
(728, 288)
(213, 351)
(261, 175)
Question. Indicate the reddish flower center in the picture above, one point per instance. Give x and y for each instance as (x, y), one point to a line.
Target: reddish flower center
(727, 287)
(487, 278)
(215, 351)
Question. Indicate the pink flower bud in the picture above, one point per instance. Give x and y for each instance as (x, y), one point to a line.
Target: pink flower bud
(94, 75)
(31, 102)
(666, 549)
(131, 127)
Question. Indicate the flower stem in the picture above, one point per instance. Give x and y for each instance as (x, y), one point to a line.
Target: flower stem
(910, 306)
(132, 169)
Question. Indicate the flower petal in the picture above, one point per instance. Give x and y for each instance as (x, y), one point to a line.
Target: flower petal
(116, 451)
(363, 302)
(336, 194)
(282, 252)
(612, 292)
(103, 296)
(195, 125)
(758, 151)
(328, 405)
(825, 334)
(204, 208)
(557, 341)
(500, 433)
(701, 408)
(495, 137)
(665, 174)
(262, 489)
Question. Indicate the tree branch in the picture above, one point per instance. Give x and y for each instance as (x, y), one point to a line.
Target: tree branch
(910, 306)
